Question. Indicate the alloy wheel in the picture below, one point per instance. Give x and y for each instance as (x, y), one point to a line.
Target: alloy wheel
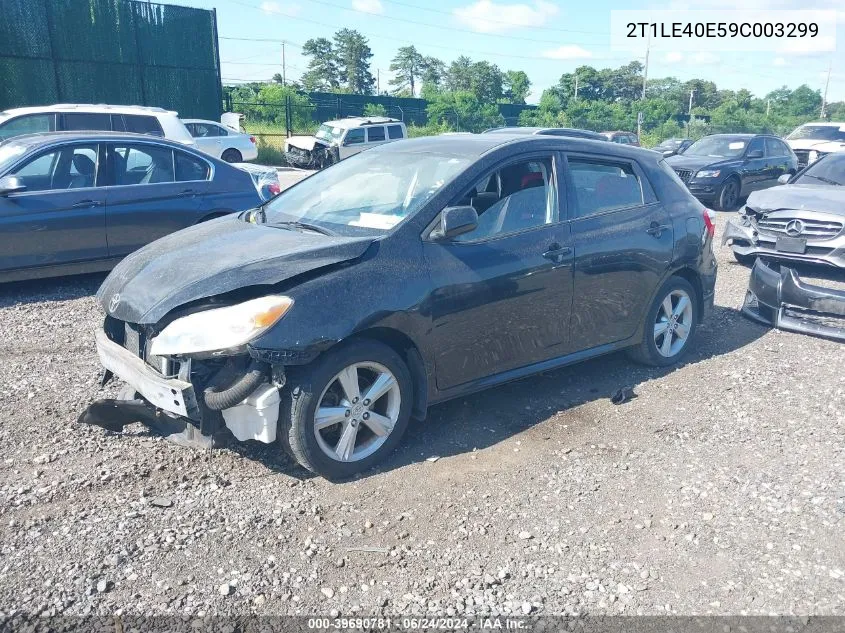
(357, 411)
(673, 324)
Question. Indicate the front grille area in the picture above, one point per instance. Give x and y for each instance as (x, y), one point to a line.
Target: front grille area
(803, 156)
(810, 228)
(684, 174)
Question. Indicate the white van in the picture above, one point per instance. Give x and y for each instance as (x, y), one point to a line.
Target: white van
(73, 116)
(336, 140)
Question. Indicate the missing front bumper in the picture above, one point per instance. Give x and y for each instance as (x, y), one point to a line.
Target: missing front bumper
(778, 297)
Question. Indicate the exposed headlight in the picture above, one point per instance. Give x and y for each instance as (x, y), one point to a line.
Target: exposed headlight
(220, 328)
(708, 173)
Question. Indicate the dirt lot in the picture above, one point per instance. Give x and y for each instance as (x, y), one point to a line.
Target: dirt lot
(719, 489)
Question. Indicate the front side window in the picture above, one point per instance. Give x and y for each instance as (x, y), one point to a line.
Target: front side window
(354, 136)
(603, 186)
(190, 168)
(27, 124)
(515, 198)
(141, 164)
(375, 134)
(368, 193)
(71, 167)
(85, 121)
(143, 124)
(395, 131)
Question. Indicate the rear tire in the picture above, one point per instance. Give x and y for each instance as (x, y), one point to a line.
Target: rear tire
(350, 435)
(679, 324)
(232, 156)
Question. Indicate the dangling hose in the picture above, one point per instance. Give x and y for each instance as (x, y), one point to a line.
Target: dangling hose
(219, 400)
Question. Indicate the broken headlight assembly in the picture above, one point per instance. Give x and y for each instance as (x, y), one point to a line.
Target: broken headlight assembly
(220, 329)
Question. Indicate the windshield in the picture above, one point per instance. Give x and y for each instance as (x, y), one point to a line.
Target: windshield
(329, 132)
(820, 132)
(670, 143)
(717, 147)
(828, 171)
(366, 194)
(9, 153)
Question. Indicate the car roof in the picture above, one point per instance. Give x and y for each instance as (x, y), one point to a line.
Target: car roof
(824, 123)
(542, 130)
(99, 108)
(46, 138)
(477, 145)
(360, 121)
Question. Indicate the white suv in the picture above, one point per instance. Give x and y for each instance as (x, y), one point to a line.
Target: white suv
(811, 141)
(69, 116)
(336, 140)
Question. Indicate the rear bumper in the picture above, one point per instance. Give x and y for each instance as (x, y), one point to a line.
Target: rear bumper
(781, 299)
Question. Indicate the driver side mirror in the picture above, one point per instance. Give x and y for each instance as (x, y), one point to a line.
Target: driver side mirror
(455, 221)
(755, 153)
(11, 184)
(784, 178)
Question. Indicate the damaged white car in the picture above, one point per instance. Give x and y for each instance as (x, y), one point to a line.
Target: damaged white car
(336, 140)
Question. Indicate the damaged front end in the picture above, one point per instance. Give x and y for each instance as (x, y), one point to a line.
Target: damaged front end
(777, 296)
(310, 153)
(190, 397)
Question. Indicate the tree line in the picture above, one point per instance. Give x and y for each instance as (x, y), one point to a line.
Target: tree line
(464, 94)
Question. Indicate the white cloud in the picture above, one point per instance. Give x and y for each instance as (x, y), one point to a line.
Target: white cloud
(486, 16)
(277, 8)
(673, 58)
(705, 57)
(810, 46)
(779, 61)
(570, 51)
(368, 6)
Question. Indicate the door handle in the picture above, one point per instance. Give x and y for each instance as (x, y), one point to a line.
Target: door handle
(84, 204)
(557, 253)
(656, 230)
(187, 192)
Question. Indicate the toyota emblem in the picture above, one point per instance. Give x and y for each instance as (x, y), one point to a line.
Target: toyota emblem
(115, 301)
(794, 228)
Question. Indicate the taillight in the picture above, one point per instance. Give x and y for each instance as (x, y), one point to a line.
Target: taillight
(710, 221)
(252, 140)
(274, 189)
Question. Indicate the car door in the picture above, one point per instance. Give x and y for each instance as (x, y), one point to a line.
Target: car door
(60, 217)
(153, 190)
(502, 293)
(352, 143)
(623, 243)
(754, 168)
(207, 138)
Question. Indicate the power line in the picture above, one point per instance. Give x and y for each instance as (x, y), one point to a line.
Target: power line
(440, 26)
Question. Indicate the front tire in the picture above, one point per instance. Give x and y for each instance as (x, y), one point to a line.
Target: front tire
(348, 410)
(670, 324)
(728, 197)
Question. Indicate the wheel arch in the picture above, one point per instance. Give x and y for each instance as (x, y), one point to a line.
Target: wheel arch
(694, 279)
(403, 345)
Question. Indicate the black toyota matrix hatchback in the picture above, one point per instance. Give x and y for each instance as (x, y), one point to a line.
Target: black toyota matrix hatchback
(411, 273)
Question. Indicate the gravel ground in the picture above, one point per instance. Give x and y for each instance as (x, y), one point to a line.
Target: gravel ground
(719, 489)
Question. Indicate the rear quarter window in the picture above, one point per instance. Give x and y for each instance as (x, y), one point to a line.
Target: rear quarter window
(143, 124)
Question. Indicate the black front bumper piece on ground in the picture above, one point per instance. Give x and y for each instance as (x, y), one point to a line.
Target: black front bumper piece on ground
(778, 297)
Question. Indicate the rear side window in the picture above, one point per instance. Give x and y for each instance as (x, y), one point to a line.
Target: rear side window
(27, 124)
(375, 133)
(85, 121)
(354, 136)
(142, 124)
(190, 168)
(395, 131)
(603, 186)
(141, 164)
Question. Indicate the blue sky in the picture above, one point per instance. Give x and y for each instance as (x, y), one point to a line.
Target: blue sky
(545, 38)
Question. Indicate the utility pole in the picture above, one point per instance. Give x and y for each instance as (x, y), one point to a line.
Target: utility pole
(645, 70)
(284, 66)
(576, 87)
(691, 93)
(378, 81)
(826, 86)
(768, 107)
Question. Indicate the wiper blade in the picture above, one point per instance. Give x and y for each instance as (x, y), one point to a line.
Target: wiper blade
(823, 179)
(305, 225)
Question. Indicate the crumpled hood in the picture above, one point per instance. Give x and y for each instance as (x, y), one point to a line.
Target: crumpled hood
(694, 163)
(823, 198)
(213, 258)
(304, 142)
